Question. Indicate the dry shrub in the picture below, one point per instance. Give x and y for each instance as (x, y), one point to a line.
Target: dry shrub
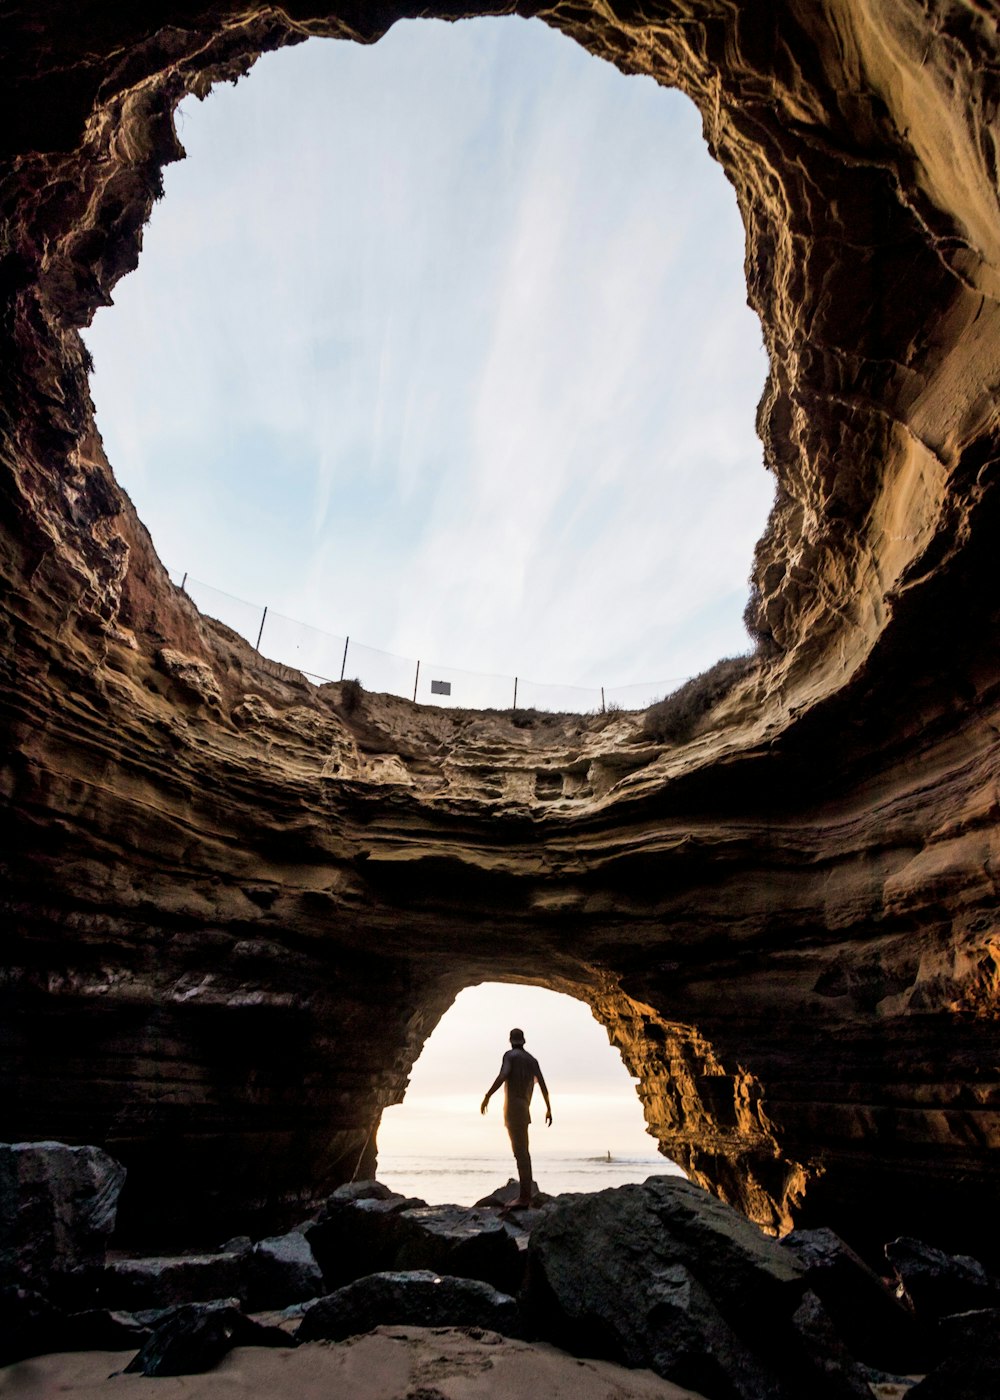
(351, 694)
(674, 720)
(766, 553)
(755, 621)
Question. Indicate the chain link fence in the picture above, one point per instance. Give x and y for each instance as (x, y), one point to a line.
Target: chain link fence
(325, 656)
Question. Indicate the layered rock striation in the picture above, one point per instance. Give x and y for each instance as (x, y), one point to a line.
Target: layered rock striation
(235, 905)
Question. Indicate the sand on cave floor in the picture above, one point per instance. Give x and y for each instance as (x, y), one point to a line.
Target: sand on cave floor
(390, 1363)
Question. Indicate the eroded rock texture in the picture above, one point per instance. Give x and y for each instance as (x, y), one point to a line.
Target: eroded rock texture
(234, 908)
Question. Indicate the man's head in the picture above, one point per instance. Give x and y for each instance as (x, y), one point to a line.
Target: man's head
(516, 1038)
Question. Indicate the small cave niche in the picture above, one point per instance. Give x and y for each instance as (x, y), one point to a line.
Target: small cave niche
(548, 786)
(437, 1145)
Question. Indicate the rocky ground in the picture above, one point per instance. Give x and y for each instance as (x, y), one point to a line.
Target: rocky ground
(658, 1290)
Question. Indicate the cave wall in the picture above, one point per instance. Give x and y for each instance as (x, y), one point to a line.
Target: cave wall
(235, 906)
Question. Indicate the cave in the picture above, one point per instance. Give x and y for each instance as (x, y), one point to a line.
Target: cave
(235, 904)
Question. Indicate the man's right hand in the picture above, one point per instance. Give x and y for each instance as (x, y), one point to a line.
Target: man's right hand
(485, 1104)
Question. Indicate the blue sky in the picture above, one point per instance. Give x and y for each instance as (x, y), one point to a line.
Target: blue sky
(443, 343)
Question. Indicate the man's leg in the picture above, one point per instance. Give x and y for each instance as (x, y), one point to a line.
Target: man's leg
(519, 1144)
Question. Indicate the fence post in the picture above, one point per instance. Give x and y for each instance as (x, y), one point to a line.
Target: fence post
(603, 710)
(261, 632)
(184, 581)
(416, 681)
(343, 663)
(515, 693)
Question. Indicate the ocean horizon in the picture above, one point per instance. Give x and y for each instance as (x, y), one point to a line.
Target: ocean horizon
(463, 1180)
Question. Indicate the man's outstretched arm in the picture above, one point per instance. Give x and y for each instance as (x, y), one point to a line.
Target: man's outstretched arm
(545, 1095)
(493, 1088)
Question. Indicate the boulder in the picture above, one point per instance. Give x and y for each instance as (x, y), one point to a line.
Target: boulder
(29, 1324)
(57, 1209)
(968, 1330)
(282, 1270)
(873, 1323)
(505, 1195)
(361, 1191)
(132, 1284)
(239, 1244)
(937, 1284)
(196, 1336)
(970, 1370)
(102, 1329)
(665, 1276)
(519, 1225)
(841, 1374)
(364, 1228)
(415, 1299)
(357, 1232)
(465, 1243)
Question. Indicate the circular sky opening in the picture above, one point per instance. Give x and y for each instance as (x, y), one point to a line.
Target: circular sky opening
(442, 343)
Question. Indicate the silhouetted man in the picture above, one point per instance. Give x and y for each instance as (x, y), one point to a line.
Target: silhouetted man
(519, 1073)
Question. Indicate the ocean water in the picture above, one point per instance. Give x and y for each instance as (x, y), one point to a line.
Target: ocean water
(465, 1180)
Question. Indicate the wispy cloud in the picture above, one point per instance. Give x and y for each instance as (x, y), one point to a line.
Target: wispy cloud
(442, 343)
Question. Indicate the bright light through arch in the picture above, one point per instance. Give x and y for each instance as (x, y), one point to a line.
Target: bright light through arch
(437, 1145)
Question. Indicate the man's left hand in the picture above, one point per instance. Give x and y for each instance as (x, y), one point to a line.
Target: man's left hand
(548, 1118)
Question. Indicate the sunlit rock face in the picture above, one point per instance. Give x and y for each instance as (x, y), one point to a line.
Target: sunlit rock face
(235, 906)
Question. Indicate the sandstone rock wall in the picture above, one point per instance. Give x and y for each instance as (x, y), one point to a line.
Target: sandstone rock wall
(235, 906)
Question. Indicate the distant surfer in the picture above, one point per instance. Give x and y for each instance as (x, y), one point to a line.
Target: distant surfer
(519, 1073)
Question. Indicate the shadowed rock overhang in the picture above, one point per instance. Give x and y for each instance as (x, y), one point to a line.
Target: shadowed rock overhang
(236, 905)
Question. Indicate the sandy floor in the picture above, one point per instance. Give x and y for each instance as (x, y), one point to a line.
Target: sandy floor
(391, 1363)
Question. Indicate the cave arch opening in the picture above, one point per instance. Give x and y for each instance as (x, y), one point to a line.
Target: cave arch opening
(591, 458)
(436, 1144)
